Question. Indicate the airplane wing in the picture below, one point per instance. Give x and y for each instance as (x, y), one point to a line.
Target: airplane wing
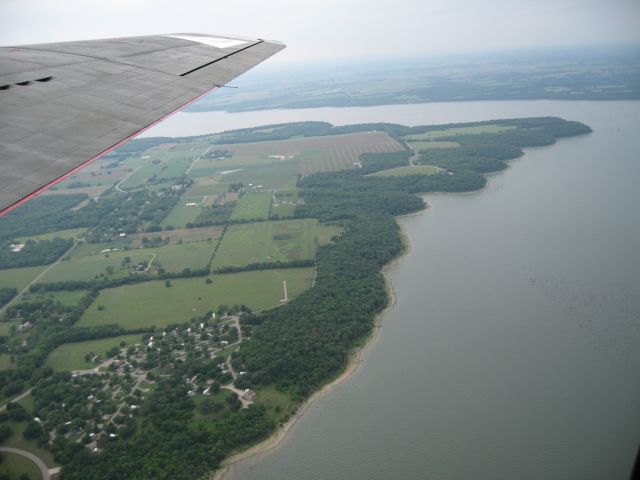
(63, 105)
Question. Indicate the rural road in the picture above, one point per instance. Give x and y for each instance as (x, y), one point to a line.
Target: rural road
(16, 399)
(125, 178)
(42, 274)
(44, 471)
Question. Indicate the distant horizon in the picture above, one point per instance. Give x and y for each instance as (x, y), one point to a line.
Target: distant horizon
(344, 29)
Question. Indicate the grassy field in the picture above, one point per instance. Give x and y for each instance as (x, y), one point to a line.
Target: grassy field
(272, 176)
(283, 240)
(153, 303)
(417, 146)
(93, 266)
(451, 132)
(279, 405)
(207, 185)
(19, 277)
(408, 170)
(71, 233)
(182, 213)
(70, 356)
(68, 297)
(276, 164)
(13, 466)
(175, 258)
(5, 361)
(252, 206)
(185, 235)
(5, 327)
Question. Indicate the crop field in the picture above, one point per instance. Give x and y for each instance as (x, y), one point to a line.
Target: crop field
(451, 132)
(283, 240)
(19, 277)
(252, 206)
(161, 165)
(70, 356)
(154, 303)
(184, 235)
(71, 233)
(408, 170)
(310, 154)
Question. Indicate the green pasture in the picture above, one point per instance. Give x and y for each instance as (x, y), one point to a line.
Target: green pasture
(471, 130)
(154, 303)
(90, 267)
(418, 146)
(408, 170)
(282, 240)
(183, 235)
(70, 356)
(252, 206)
(182, 214)
(19, 467)
(5, 327)
(5, 359)
(69, 298)
(271, 176)
(19, 277)
(86, 249)
(71, 233)
(175, 258)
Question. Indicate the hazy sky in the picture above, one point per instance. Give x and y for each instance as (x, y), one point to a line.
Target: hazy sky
(335, 28)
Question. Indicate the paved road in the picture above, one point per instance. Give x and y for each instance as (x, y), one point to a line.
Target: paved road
(42, 274)
(44, 470)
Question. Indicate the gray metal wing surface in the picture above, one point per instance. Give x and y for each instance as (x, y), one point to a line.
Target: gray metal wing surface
(63, 105)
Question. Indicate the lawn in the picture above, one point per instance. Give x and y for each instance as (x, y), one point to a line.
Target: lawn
(282, 240)
(70, 356)
(408, 170)
(13, 466)
(252, 206)
(153, 303)
(19, 277)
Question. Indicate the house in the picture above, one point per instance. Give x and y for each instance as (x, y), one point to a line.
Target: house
(249, 395)
(16, 247)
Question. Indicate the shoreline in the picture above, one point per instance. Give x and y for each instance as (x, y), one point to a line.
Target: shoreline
(355, 359)
(276, 439)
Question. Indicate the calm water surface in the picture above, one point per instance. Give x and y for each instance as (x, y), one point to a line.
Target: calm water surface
(514, 348)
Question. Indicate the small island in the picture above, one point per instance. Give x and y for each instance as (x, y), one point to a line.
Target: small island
(179, 300)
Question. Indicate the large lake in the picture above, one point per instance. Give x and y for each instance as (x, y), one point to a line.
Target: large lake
(514, 349)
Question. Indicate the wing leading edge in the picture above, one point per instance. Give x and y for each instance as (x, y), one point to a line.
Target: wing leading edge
(63, 105)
